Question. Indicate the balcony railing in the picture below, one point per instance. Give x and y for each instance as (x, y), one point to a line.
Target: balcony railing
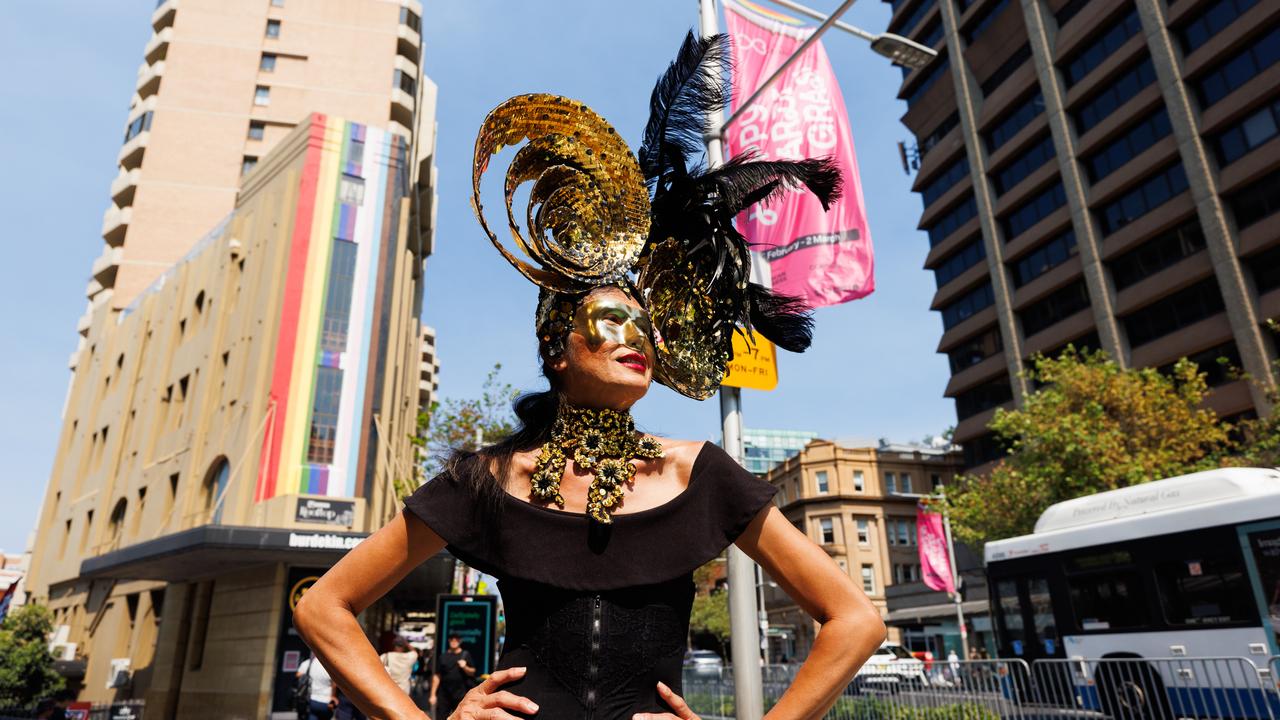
(115, 223)
(105, 267)
(124, 185)
(158, 46)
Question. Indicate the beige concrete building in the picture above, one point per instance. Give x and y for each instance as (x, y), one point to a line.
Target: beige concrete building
(220, 84)
(1097, 172)
(235, 429)
(858, 502)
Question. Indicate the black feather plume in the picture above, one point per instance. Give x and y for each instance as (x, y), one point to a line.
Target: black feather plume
(744, 181)
(784, 319)
(690, 90)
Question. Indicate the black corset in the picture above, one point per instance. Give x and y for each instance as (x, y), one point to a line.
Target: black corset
(596, 655)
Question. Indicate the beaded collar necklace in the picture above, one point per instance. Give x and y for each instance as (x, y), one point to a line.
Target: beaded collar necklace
(599, 440)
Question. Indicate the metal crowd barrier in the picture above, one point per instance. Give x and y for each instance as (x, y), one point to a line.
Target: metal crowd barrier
(1070, 689)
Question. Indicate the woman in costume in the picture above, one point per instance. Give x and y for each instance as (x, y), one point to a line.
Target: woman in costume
(593, 528)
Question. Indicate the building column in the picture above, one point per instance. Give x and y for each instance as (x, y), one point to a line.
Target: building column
(1219, 229)
(968, 106)
(1041, 35)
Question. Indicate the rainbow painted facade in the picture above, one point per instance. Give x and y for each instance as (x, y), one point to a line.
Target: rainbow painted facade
(337, 296)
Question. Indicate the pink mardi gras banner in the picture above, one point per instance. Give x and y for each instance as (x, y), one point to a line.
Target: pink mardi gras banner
(935, 562)
(823, 257)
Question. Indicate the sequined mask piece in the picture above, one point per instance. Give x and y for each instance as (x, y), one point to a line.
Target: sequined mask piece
(608, 319)
(601, 441)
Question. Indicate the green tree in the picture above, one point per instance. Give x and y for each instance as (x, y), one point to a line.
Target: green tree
(460, 423)
(710, 615)
(1091, 426)
(26, 667)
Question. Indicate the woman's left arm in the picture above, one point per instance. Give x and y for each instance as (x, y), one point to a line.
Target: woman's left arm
(851, 626)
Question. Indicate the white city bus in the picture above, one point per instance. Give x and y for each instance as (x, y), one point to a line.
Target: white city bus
(1187, 567)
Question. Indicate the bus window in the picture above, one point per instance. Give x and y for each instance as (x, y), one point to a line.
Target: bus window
(1042, 615)
(1107, 600)
(1204, 591)
(1010, 615)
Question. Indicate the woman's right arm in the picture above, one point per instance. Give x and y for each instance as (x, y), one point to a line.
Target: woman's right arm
(326, 619)
(326, 615)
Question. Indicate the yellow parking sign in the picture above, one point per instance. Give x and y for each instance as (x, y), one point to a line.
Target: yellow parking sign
(754, 365)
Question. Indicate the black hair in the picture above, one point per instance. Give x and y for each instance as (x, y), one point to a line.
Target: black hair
(483, 472)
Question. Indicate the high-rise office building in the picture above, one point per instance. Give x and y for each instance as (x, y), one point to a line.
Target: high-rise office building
(764, 449)
(1102, 173)
(241, 406)
(221, 82)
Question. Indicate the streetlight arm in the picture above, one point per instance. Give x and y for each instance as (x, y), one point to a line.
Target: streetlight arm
(810, 12)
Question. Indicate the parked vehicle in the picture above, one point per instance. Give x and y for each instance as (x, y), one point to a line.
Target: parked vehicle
(891, 667)
(703, 663)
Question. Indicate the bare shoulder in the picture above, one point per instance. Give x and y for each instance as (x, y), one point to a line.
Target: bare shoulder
(681, 453)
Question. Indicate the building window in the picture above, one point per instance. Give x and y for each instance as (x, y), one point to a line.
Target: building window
(1044, 258)
(945, 180)
(962, 213)
(1117, 93)
(410, 18)
(932, 34)
(1018, 118)
(247, 163)
(277, 3)
(1007, 68)
(939, 69)
(864, 531)
(262, 95)
(828, 528)
(1031, 159)
(1138, 138)
(351, 190)
(904, 482)
(983, 397)
(267, 63)
(1033, 210)
(1151, 194)
(404, 81)
(324, 415)
(868, 579)
(273, 28)
(822, 482)
(140, 124)
(975, 350)
(1256, 201)
(782, 495)
(337, 306)
(1230, 74)
(891, 483)
(1219, 364)
(1266, 271)
(935, 482)
(1210, 21)
(1174, 312)
(935, 136)
(985, 18)
(257, 130)
(1068, 11)
(959, 261)
(982, 449)
(1100, 49)
(1059, 305)
(859, 485)
(1164, 250)
(1245, 136)
(977, 300)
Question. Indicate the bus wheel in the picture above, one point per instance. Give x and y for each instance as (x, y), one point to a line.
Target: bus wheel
(1132, 691)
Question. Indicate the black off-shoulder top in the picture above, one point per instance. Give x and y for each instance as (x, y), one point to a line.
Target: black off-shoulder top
(598, 613)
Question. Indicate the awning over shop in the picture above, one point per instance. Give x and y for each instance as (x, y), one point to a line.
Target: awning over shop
(211, 550)
(918, 615)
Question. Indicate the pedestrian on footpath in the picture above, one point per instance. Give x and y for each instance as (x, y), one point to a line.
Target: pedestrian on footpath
(400, 661)
(324, 694)
(455, 675)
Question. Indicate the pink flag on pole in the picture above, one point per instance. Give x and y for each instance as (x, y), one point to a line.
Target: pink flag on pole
(823, 257)
(935, 560)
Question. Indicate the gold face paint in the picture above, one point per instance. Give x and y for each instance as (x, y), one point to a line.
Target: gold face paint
(612, 320)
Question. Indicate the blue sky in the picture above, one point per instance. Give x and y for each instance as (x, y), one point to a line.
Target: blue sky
(66, 73)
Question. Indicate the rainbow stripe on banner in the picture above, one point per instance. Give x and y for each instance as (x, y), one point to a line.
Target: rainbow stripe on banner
(336, 293)
(770, 13)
